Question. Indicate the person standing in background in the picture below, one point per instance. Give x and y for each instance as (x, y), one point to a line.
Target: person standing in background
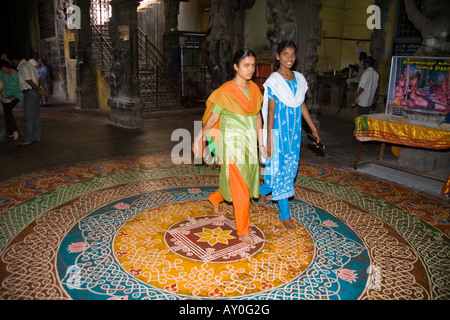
(31, 86)
(11, 95)
(45, 77)
(367, 89)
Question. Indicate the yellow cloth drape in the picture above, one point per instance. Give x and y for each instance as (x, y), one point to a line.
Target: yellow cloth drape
(396, 130)
(446, 188)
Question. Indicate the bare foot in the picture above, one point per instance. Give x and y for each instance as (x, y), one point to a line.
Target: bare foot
(263, 200)
(246, 239)
(288, 224)
(217, 209)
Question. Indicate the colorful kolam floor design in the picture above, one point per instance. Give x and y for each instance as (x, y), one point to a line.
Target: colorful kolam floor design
(142, 228)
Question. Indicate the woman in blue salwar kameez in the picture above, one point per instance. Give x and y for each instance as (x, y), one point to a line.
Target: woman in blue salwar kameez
(282, 111)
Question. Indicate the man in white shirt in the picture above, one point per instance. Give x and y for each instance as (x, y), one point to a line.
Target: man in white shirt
(30, 84)
(367, 89)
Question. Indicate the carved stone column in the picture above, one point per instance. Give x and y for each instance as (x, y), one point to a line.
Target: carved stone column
(171, 10)
(220, 40)
(309, 35)
(86, 82)
(225, 36)
(298, 21)
(125, 100)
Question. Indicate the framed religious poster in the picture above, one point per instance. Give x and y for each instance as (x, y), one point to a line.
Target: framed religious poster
(419, 84)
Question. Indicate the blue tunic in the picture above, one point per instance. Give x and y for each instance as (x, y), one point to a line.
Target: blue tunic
(281, 170)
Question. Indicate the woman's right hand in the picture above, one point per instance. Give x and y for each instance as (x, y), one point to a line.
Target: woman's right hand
(263, 151)
(266, 151)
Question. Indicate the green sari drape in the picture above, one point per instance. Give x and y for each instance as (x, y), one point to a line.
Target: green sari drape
(238, 135)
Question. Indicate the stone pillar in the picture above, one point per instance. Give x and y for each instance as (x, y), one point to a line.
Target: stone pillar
(298, 21)
(219, 42)
(125, 100)
(171, 11)
(86, 82)
(381, 43)
(308, 37)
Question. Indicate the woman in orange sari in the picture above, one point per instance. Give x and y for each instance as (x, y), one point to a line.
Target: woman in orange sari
(234, 110)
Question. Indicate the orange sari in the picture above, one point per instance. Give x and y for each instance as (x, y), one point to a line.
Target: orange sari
(231, 98)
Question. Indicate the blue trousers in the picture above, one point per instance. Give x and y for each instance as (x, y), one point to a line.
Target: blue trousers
(283, 204)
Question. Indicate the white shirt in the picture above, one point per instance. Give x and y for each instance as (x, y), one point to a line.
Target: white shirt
(27, 72)
(369, 82)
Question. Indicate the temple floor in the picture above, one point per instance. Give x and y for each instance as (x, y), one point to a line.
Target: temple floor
(140, 227)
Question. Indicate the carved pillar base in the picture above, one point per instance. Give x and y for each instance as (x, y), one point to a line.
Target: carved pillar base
(125, 99)
(125, 113)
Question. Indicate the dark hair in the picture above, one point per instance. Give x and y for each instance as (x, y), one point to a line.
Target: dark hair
(369, 61)
(281, 46)
(241, 54)
(363, 55)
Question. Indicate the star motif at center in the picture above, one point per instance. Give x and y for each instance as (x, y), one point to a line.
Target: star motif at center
(214, 236)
